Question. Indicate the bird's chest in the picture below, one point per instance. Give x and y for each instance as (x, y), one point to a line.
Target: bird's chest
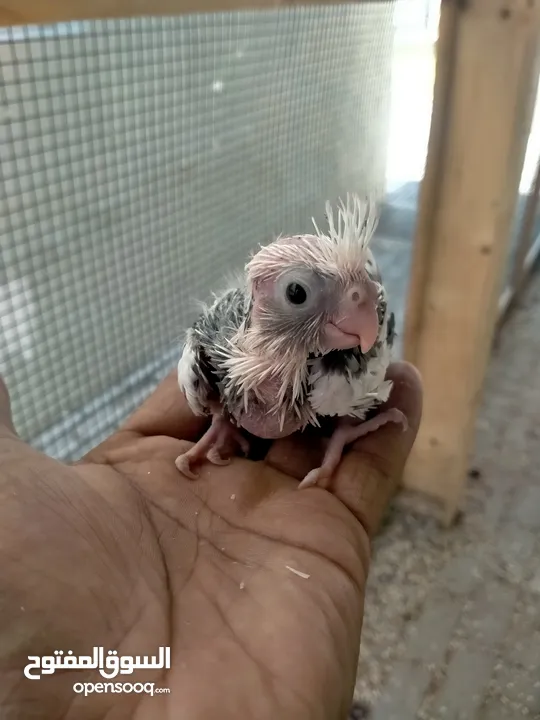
(351, 388)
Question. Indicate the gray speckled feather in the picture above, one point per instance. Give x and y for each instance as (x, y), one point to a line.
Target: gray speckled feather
(201, 373)
(335, 375)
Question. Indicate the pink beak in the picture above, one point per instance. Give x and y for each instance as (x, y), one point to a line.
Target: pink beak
(357, 320)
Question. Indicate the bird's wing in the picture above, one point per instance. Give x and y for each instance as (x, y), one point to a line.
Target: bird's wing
(194, 375)
(200, 370)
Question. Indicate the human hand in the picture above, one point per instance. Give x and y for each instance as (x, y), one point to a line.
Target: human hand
(121, 551)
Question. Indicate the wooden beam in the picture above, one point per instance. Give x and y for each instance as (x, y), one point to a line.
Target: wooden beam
(30, 12)
(430, 187)
(488, 65)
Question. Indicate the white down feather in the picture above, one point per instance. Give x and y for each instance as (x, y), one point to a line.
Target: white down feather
(353, 393)
(187, 379)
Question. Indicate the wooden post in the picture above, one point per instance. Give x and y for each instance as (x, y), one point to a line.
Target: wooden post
(484, 100)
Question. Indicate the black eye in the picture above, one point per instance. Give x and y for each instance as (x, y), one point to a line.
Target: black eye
(296, 294)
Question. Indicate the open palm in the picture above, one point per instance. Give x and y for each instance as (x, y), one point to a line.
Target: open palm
(256, 586)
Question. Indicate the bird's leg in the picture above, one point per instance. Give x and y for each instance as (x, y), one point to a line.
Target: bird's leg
(219, 438)
(343, 435)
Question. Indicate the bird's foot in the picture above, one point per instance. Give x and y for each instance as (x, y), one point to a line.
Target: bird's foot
(345, 434)
(216, 445)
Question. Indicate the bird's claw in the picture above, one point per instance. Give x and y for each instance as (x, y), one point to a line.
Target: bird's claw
(183, 465)
(215, 458)
(314, 477)
(219, 438)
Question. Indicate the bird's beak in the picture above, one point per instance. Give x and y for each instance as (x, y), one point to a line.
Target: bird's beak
(356, 321)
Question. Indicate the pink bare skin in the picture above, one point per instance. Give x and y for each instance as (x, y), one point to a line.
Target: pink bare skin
(120, 551)
(223, 439)
(259, 423)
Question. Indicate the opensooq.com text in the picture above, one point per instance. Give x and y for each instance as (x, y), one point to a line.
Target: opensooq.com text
(138, 688)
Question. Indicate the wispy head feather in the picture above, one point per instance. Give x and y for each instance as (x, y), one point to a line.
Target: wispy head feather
(342, 250)
(357, 221)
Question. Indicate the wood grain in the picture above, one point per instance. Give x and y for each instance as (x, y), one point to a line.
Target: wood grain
(28, 12)
(465, 222)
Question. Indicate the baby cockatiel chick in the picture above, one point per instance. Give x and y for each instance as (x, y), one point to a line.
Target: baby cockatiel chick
(308, 335)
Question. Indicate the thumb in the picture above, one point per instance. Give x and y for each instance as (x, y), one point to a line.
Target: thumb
(370, 471)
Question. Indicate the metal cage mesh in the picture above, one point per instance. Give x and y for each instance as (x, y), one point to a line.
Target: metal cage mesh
(141, 160)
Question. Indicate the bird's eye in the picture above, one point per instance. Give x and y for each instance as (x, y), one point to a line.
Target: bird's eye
(296, 293)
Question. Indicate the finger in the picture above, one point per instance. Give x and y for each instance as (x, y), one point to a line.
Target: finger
(370, 472)
(164, 413)
(6, 419)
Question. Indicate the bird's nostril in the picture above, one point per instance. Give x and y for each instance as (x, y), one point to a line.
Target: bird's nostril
(355, 296)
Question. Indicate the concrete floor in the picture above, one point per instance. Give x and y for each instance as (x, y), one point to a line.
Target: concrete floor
(452, 624)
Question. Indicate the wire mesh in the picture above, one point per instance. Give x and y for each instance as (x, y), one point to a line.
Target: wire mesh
(143, 158)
